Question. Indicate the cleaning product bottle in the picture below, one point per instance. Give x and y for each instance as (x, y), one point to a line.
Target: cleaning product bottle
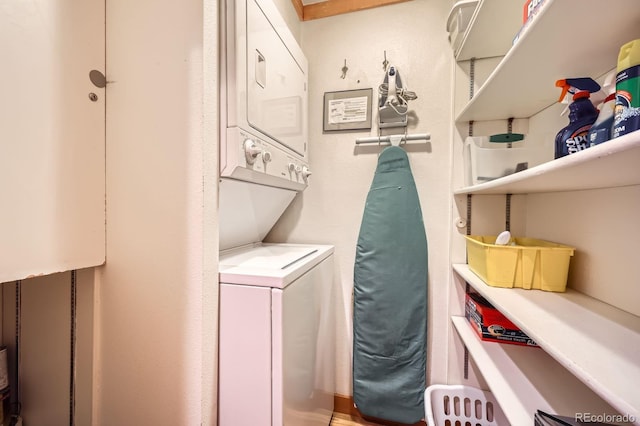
(627, 109)
(602, 128)
(582, 114)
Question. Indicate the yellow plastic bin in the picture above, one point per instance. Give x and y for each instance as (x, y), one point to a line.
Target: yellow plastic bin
(530, 264)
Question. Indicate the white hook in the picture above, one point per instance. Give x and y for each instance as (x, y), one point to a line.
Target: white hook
(395, 140)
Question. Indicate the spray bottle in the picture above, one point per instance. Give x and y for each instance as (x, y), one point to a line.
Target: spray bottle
(582, 114)
(627, 109)
(601, 131)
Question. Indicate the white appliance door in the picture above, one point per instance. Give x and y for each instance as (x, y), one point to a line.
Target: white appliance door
(245, 356)
(276, 84)
(303, 330)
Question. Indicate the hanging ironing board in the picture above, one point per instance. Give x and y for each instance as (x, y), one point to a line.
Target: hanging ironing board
(390, 297)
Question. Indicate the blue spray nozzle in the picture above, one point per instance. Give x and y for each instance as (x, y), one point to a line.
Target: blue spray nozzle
(575, 85)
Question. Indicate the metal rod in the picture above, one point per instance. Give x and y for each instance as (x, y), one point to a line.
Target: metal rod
(472, 77)
(509, 131)
(16, 401)
(72, 356)
(507, 224)
(467, 287)
(389, 138)
(469, 200)
(465, 372)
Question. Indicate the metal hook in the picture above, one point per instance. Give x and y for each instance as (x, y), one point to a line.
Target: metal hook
(345, 68)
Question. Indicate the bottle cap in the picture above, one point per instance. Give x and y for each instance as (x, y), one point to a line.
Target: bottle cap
(581, 94)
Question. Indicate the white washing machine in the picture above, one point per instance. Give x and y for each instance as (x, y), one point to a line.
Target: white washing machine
(277, 356)
(276, 313)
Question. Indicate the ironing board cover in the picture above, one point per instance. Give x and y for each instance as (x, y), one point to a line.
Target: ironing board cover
(390, 297)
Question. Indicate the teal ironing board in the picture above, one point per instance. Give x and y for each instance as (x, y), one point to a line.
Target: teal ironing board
(390, 297)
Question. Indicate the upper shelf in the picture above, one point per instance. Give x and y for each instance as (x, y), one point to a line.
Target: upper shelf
(598, 343)
(476, 44)
(610, 164)
(568, 38)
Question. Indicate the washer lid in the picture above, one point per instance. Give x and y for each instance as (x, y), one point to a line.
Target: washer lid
(270, 265)
(268, 256)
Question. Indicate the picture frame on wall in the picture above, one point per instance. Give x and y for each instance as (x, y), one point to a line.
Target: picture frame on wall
(347, 110)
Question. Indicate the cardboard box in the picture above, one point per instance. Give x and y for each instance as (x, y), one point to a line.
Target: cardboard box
(532, 8)
(490, 325)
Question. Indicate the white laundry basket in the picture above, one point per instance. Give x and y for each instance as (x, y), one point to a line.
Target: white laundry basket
(453, 405)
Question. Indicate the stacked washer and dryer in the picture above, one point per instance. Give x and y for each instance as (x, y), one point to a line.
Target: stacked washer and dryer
(276, 312)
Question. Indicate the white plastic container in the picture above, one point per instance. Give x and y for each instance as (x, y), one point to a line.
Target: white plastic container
(459, 404)
(458, 21)
(486, 161)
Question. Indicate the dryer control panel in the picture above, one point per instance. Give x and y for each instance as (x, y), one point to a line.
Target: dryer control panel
(253, 159)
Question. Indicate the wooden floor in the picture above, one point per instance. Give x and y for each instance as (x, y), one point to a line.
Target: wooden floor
(347, 414)
(340, 419)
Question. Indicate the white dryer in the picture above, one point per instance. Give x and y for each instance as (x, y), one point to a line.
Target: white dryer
(264, 98)
(276, 313)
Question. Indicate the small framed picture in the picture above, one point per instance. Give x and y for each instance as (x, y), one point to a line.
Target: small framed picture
(347, 110)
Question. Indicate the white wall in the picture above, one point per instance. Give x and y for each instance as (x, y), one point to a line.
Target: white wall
(600, 224)
(45, 346)
(330, 210)
(157, 294)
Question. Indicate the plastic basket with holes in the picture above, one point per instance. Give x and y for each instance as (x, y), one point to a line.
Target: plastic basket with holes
(459, 405)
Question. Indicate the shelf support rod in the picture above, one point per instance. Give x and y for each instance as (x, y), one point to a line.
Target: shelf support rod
(472, 72)
(468, 232)
(507, 224)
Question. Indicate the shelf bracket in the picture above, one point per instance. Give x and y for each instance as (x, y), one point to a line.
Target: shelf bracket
(507, 224)
(472, 77)
(472, 72)
(467, 288)
(469, 199)
(15, 400)
(72, 356)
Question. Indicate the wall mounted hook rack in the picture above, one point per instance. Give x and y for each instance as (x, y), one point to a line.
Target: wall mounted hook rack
(394, 140)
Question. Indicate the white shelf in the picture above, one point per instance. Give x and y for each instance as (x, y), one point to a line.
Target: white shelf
(476, 44)
(524, 379)
(596, 342)
(562, 42)
(611, 164)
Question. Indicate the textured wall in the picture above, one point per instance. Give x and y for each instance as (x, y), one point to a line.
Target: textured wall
(330, 210)
(157, 312)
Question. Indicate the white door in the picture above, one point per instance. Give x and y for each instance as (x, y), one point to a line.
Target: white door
(303, 327)
(52, 139)
(276, 84)
(245, 356)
